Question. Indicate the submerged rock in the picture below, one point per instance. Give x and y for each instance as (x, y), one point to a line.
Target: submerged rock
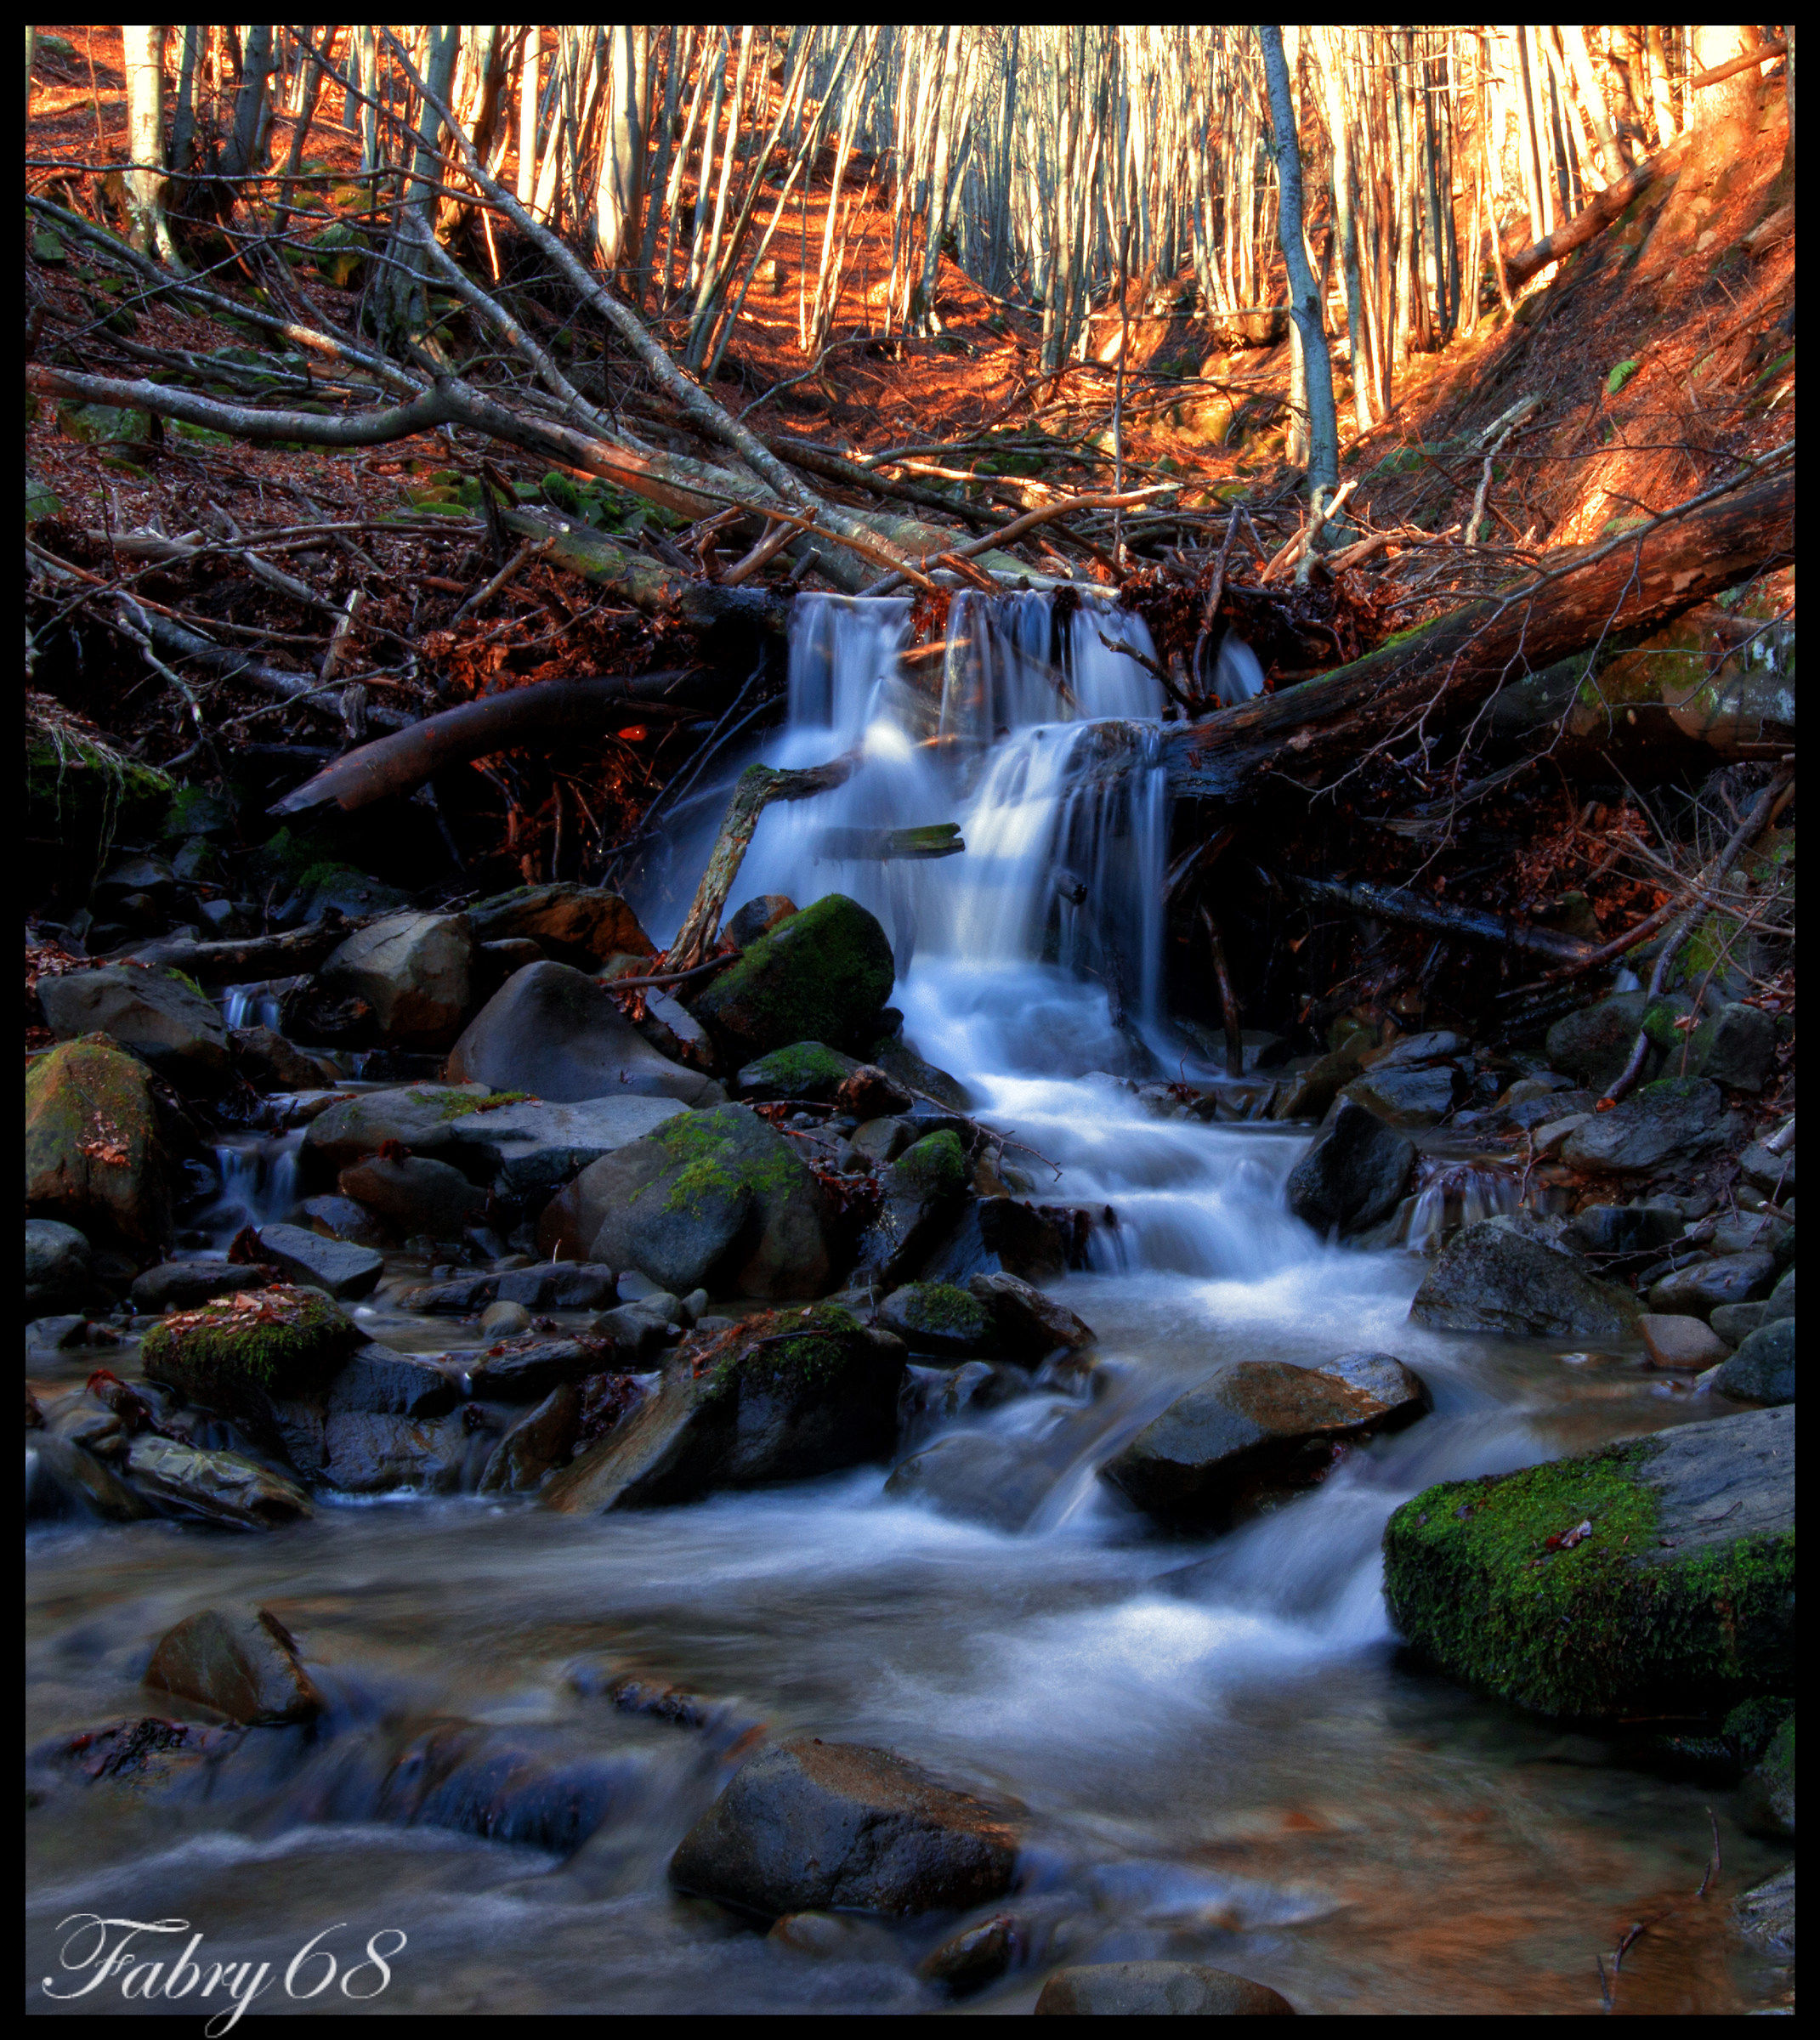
(1127, 1990)
(1492, 1277)
(95, 1159)
(164, 1020)
(242, 1664)
(1354, 1175)
(1651, 1578)
(825, 973)
(979, 1478)
(807, 1826)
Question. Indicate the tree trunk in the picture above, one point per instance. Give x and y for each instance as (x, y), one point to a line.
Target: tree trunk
(1305, 298)
(142, 56)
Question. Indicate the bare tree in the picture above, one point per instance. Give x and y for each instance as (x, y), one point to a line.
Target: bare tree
(1305, 298)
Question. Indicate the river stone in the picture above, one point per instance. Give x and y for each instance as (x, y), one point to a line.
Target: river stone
(237, 1360)
(1258, 1426)
(1766, 1913)
(1354, 1175)
(506, 1785)
(977, 1478)
(1624, 1229)
(976, 1956)
(1382, 1376)
(923, 1190)
(562, 1285)
(244, 1664)
(1030, 1325)
(1680, 1343)
(1491, 1278)
(180, 1286)
(757, 917)
(1409, 1052)
(526, 1369)
(270, 1062)
(1735, 1321)
(1679, 1602)
(504, 1321)
(937, 1318)
(1696, 1289)
(1593, 1045)
(900, 1062)
(1740, 1051)
(337, 1265)
(419, 1195)
(219, 1487)
(57, 1266)
(808, 1826)
(1420, 1096)
(1762, 1369)
(537, 1442)
(95, 1159)
(716, 1199)
(422, 1117)
(377, 1381)
(341, 1218)
(825, 972)
(1765, 1800)
(784, 1396)
(162, 1020)
(371, 1454)
(414, 970)
(1310, 1095)
(1667, 1121)
(1127, 1990)
(573, 924)
(553, 1032)
(1772, 1174)
(63, 1480)
(805, 1069)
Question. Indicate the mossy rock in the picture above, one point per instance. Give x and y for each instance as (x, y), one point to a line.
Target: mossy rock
(80, 798)
(824, 974)
(340, 253)
(104, 425)
(280, 1342)
(42, 500)
(805, 1069)
(1677, 1599)
(934, 1167)
(1766, 1803)
(94, 1155)
(939, 1318)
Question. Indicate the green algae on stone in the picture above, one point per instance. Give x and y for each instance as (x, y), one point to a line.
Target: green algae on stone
(283, 1341)
(715, 1162)
(802, 1349)
(805, 1070)
(941, 1312)
(936, 1167)
(823, 973)
(93, 1157)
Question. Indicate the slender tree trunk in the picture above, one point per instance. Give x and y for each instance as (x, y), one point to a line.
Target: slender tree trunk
(143, 51)
(241, 155)
(1305, 301)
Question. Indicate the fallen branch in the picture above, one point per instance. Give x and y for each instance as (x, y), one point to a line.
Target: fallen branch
(287, 955)
(1417, 910)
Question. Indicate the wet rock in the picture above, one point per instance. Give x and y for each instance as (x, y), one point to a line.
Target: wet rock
(812, 1826)
(1028, 1242)
(162, 1020)
(1030, 1325)
(461, 1298)
(805, 1070)
(371, 1454)
(716, 1199)
(675, 1032)
(1762, 1369)
(975, 1957)
(934, 1395)
(422, 1117)
(1670, 1121)
(417, 1194)
(826, 972)
(1492, 1277)
(871, 1092)
(234, 1357)
(759, 917)
(336, 1266)
(242, 1664)
(922, 1189)
(1678, 1600)
(1407, 1096)
(524, 1369)
(1354, 1175)
(535, 1444)
(1680, 1343)
(95, 1159)
(573, 924)
(220, 1487)
(937, 1318)
(376, 1381)
(1737, 1047)
(1411, 1051)
(1698, 1289)
(1310, 1095)
(632, 1693)
(504, 1320)
(1752, 1232)
(1765, 1800)
(1593, 1045)
(831, 1936)
(1126, 1990)
(63, 1480)
(67, 1334)
(1771, 1173)
(181, 1285)
(150, 1755)
(784, 1396)
(1258, 1427)
(882, 1141)
(1766, 1913)
(559, 1285)
(1614, 1229)
(57, 1270)
(1382, 1376)
(977, 1478)
(531, 1150)
(1544, 1111)
(639, 1331)
(342, 1218)
(270, 1062)
(413, 970)
(1553, 1135)
(898, 1060)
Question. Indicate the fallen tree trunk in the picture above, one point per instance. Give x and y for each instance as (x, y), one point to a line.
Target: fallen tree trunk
(404, 761)
(1466, 924)
(287, 955)
(1438, 675)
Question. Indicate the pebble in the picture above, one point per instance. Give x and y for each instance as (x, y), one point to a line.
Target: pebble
(505, 1320)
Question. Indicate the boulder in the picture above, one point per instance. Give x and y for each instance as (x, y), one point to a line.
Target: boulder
(377, 1381)
(219, 1487)
(63, 1480)
(893, 1055)
(57, 1274)
(535, 1444)
(1614, 1230)
(826, 972)
(1127, 1990)
(573, 924)
(523, 1370)
(937, 1318)
(871, 1092)
(1382, 1376)
(1354, 1175)
(1411, 1051)
(270, 1062)
(555, 1034)
(239, 1357)
(337, 1265)
(808, 1826)
(922, 1191)
(419, 1195)
(1256, 1428)
(1765, 1800)
(341, 1218)
(367, 1452)
(1766, 1913)
(675, 1032)
(414, 970)
(1403, 1095)
(758, 917)
(1030, 1325)
(1026, 1241)
(1739, 1050)
(1652, 1577)
(164, 1020)
(1310, 1095)
(1492, 1277)
(1762, 1369)
(95, 1159)
(243, 1663)
(562, 1285)
(805, 1069)
(1593, 1045)
(1771, 1173)
(1667, 1121)
(1680, 1343)
(784, 1396)
(1698, 1288)
(180, 1286)
(716, 1199)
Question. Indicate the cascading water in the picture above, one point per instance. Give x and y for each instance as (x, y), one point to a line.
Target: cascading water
(259, 1182)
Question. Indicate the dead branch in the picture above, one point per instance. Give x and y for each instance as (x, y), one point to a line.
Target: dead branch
(1464, 924)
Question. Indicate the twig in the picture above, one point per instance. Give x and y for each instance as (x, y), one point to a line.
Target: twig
(530, 550)
(1713, 1862)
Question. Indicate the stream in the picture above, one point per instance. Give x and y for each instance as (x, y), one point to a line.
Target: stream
(1219, 1754)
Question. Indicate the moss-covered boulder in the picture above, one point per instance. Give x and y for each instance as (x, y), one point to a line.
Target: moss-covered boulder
(923, 1190)
(240, 1356)
(822, 975)
(784, 1396)
(163, 1019)
(805, 1069)
(716, 1199)
(93, 1157)
(1655, 1578)
(937, 1318)
(1766, 1803)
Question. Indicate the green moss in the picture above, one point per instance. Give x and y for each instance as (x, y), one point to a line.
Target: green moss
(936, 1167)
(826, 970)
(295, 1339)
(708, 1146)
(942, 1307)
(1751, 1726)
(805, 1069)
(458, 1104)
(1590, 1630)
(809, 1358)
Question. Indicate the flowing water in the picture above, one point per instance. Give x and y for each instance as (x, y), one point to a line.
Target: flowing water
(1220, 1755)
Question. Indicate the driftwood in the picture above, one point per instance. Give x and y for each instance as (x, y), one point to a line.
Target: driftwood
(935, 839)
(287, 955)
(1436, 677)
(1466, 924)
(405, 759)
